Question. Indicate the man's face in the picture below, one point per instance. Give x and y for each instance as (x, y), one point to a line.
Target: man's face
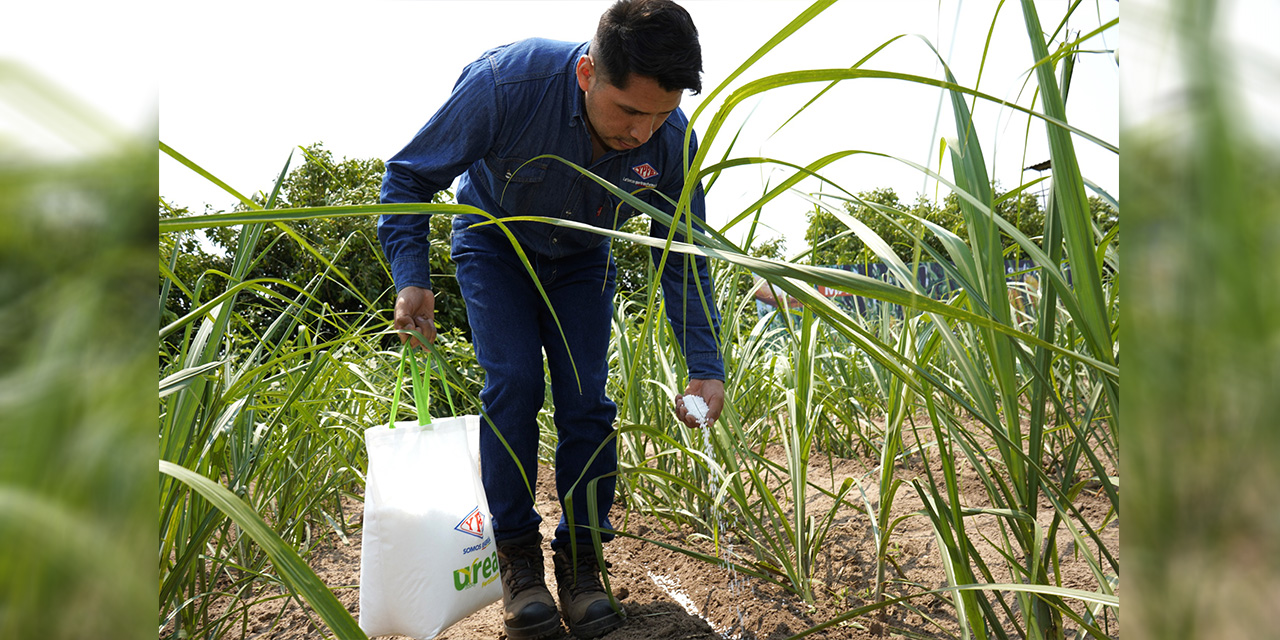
(623, 119)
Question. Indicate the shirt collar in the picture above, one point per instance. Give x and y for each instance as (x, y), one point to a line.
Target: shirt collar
(575, 94)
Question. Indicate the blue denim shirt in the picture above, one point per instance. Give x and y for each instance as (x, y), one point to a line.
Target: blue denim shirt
(519, 101)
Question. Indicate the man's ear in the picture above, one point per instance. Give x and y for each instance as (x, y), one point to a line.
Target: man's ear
(585, 70)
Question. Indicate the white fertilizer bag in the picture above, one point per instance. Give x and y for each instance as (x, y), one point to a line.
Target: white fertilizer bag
(428, 557)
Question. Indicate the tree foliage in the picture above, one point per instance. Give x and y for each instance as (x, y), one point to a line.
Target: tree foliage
(882, 211)
(635, 265)
(356, 281)
(182, 253)
(632, 261)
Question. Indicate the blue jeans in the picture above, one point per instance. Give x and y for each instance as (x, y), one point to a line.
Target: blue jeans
(511, 328)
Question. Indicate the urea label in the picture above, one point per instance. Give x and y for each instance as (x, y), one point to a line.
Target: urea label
(481, 572)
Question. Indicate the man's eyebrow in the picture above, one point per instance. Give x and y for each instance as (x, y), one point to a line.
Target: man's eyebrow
(646, 113)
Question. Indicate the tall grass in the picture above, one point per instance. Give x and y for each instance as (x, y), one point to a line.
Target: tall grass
(277, 417)
(1028, 403)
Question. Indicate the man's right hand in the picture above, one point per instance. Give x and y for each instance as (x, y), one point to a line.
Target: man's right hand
(416, 310)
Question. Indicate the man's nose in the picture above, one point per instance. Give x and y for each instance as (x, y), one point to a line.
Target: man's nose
(642, 129)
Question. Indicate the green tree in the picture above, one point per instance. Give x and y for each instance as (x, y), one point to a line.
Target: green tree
(876, 210)
(1104, 215)
(832, 241)
(633, 261)
(635, 265)
(774, 249)
(1022, 210)
(183, 254)
(360, 281)
(881, 211)
(348, 243)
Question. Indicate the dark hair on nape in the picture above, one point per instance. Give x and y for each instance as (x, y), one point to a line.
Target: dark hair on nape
(651, 38)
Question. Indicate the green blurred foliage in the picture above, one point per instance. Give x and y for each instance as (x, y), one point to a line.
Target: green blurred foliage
(77, 474)
(1202, 536)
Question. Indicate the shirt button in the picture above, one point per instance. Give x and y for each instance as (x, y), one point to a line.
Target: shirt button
(555, 240)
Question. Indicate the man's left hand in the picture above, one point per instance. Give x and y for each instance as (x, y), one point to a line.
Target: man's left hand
(712, 391)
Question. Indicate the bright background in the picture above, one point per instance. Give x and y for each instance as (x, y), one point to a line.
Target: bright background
(241, 85)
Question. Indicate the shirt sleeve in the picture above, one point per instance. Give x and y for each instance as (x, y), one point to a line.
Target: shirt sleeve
(687, 290)
(460, 133)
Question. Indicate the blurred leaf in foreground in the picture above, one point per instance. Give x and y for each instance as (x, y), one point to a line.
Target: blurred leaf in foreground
(1203, 266)
(77, 482)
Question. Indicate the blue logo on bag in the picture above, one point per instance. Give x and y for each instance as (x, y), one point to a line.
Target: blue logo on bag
(473, 524)
(478, 547)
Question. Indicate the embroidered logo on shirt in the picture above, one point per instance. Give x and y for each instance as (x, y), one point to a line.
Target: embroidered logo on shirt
(645, 171)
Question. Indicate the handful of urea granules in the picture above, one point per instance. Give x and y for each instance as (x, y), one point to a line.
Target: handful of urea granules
(697, 408)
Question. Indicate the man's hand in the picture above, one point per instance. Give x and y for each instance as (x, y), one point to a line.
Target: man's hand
(712, 391)
(416, 310)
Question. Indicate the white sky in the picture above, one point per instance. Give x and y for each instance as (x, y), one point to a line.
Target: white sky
(1157, 97)
(241, 85)
(98, 54)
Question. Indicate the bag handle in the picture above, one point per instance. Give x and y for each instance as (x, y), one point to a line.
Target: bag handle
(444, 381)
(421, 383)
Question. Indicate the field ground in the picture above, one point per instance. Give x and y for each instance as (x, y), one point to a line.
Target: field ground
(668, 595)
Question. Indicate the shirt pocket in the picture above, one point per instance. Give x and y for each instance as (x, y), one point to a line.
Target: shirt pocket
(518, 170)
(519, 185)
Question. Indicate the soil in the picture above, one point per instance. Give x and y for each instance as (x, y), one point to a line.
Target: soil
(668, 595)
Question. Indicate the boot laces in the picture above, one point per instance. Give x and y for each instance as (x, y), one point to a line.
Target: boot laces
(522, 567)
(586, 575)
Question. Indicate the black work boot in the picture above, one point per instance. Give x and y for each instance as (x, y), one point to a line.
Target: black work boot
(529, 613)
(586, 607)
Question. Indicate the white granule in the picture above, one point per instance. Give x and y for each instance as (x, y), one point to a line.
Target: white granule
(697, 408)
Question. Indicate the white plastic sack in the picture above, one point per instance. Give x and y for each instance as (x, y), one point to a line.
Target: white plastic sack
(428, 557)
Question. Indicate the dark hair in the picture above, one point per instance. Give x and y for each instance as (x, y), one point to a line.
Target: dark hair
(651, 38)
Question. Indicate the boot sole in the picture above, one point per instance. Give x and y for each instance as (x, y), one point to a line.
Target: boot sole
(597, 628)
(541, 631)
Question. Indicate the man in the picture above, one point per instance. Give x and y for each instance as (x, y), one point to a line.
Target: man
(612, 106)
